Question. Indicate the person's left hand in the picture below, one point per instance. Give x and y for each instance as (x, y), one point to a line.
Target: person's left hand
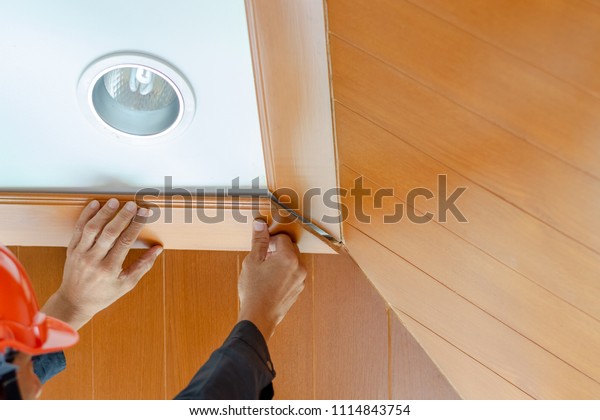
(94, 277)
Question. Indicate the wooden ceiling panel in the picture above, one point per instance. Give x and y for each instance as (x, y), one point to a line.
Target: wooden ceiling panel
(516, 239)
(525, 100)
(482, 152)
(502, 98)
(546, 319)
(561, 37)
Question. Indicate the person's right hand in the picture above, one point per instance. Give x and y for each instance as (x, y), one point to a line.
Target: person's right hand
(271, 280)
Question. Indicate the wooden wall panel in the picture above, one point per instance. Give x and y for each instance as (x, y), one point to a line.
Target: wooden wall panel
(45, 269)
(291, 346)
(129, 341)
(413, 374)
(523, 243)
(124, 356)
(511, 355)
(476, 75)
(351, 333)
(200, 310)
(481, 151)
(560, 36)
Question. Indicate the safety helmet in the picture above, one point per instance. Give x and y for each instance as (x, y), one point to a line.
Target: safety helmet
(22, 326)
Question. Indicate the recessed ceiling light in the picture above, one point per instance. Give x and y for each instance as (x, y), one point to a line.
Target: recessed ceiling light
(136, 97)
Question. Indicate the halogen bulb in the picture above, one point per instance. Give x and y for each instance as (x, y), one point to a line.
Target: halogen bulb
(144, 76)
(139, 88)
(142, 79)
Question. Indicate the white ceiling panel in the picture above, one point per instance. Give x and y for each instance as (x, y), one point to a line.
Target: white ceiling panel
(47, 142)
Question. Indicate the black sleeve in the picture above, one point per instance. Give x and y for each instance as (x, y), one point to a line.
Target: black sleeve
(47, 366)
(241, 369)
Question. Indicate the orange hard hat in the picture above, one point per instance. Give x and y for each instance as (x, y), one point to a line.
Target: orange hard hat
(22, 326)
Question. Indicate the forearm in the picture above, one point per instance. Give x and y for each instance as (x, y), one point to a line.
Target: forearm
(265, 324)
(58, 307)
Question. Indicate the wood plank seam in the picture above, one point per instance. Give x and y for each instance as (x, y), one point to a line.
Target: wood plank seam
(465, 107)
(460, 350)
(164, 310)
(92, 360)
(314, 344)
(489, 190)
(475, 305)
(390, 350)
(581, 88)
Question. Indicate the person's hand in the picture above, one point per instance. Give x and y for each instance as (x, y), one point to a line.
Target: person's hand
(271, 280)
(94, 277)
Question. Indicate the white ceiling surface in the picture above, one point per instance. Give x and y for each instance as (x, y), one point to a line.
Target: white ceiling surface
(47, 143)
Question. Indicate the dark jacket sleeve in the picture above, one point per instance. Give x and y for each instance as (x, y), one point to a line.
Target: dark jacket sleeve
(47, 366)
(241, 369)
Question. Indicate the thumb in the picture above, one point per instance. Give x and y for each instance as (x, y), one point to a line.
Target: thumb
(134, 273)
(260, 239)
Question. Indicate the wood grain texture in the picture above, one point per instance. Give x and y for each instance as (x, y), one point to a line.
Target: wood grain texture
(217, 223)
(291, 347)
(201, 309)
(351, 332)
(45, 269)
(469, 378)
(290, 53)
(520, 173)
(520, 97)
(413, 374)
(129, 341)
(544, 318)
(511, 355)
(560, 36)
(518, 240)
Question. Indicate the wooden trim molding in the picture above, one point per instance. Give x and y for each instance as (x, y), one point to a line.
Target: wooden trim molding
(48, 220)
(291, 61)
(291, 65)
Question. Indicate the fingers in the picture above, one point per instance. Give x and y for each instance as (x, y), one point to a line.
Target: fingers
(123, 244)
(114, 229)
(133, 274)
(88, 212)
(93, 228)
(281, 243)
(260, 240)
